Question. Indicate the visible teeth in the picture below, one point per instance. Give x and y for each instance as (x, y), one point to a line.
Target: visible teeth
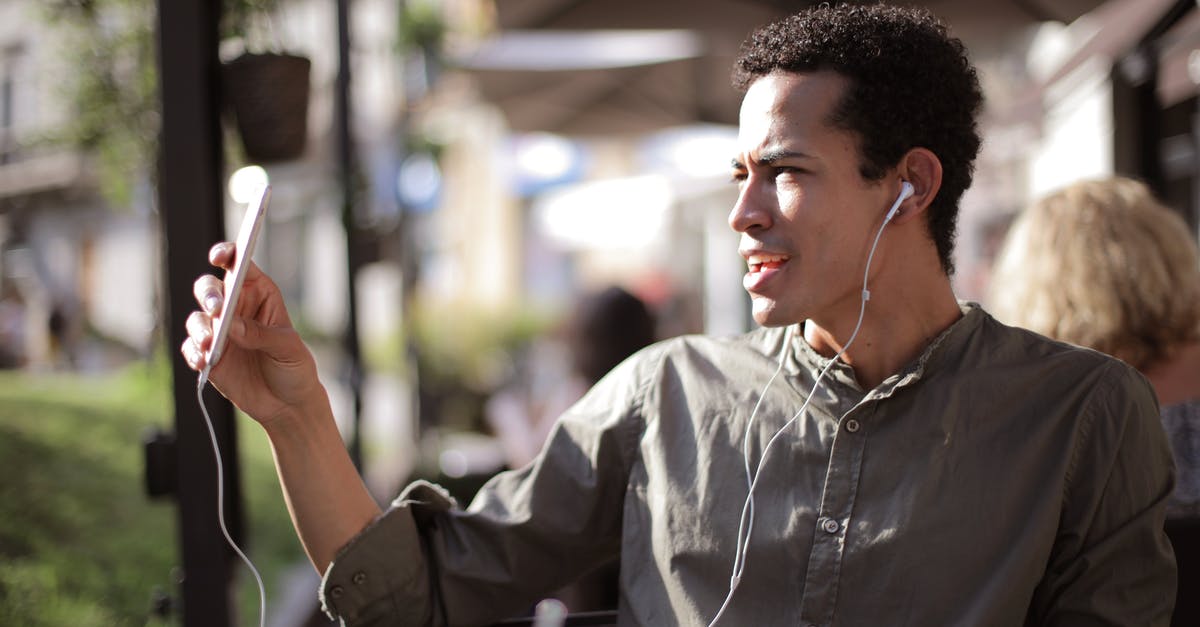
(758, 260)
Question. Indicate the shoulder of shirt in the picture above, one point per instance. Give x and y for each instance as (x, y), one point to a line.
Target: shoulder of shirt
(1022, 342)
(1016, 345)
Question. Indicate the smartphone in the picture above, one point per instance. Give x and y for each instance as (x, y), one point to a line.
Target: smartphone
(252, 222)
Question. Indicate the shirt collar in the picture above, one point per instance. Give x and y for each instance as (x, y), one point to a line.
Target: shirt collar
(949, 342)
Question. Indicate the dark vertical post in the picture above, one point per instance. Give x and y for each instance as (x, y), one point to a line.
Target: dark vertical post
(1137, 145)
(347, 171)
(1136, 137)
(190, 201)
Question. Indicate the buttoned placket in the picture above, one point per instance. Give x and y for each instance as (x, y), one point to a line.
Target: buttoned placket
(833, 520)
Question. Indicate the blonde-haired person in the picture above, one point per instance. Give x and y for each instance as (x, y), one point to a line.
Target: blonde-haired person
(1103, 264)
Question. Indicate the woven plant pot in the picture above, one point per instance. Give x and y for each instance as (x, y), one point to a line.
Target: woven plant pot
(268, 99)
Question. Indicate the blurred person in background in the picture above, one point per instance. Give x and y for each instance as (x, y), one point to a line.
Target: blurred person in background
(913, 461)
(604, 328)
(1103, 264)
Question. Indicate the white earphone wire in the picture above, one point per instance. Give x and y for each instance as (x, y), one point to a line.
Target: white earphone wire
(262, 594)
(746, 522)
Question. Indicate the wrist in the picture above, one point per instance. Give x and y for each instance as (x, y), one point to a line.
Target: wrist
(312, 414)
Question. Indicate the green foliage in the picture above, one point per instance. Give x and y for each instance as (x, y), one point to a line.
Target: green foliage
(112, 83)
(421, 26)
(80, 543)
(244, 18)
(111, 86)
(467, 346)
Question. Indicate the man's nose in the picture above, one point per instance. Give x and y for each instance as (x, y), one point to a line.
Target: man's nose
(751, 211)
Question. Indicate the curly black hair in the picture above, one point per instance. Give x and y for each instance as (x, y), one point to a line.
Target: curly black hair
(910, 85)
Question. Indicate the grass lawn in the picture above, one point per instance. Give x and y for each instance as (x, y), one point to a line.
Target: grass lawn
(80, 543)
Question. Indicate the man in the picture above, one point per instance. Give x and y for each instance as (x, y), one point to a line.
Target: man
(913, 461)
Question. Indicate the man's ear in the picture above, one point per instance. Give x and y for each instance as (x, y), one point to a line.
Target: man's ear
(923, 170)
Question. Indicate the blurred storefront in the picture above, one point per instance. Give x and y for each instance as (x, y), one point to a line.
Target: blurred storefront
(552, 147)
(1066, 82)
(1112, 92)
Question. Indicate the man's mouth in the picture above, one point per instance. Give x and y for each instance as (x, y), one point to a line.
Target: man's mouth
(758, 263)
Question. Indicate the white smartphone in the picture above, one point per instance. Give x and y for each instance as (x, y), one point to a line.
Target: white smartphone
(252, 222)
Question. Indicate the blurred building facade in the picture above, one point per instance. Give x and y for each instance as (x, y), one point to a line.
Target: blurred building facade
(69, 267)
(514, 167)
(1113, 91)
(492, 183)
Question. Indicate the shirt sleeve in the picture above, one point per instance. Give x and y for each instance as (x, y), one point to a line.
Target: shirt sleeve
(380, 576)
(527, 532)
(1112, 563)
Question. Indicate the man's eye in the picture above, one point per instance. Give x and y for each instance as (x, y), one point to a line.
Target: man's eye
(738, 177)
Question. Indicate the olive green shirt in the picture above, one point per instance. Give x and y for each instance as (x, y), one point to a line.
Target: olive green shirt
(999, 479)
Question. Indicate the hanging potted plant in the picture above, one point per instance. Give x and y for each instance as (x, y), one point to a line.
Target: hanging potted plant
(266, 90)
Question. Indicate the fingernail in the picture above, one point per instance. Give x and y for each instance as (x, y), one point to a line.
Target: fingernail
(238, 327)
(211, 302)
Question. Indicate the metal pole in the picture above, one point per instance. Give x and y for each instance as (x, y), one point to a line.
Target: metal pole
(354, 253)
(1136, 128)
(190, 202)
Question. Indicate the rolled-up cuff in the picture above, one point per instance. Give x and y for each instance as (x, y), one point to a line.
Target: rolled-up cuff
(381, 576)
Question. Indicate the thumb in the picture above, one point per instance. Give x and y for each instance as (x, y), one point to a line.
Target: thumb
(279, 343)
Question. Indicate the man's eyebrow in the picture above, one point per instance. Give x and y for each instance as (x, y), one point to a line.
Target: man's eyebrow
(775, 155)
(771, 157)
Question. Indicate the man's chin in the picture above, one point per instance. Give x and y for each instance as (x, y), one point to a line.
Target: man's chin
(765, 313)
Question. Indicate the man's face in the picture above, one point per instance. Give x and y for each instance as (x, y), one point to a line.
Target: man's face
(806, 215)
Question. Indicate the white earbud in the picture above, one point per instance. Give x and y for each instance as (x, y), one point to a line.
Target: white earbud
(906, 190)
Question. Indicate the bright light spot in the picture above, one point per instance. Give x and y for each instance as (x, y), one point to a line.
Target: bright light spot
(544, 157)
(619, 213)
(699, 152)
(245, 182)
(419, 180)
(454, 463)
(703, 155)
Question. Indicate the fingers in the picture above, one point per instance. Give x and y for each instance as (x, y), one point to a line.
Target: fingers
(221, 254)
(195, 347)
(192, 355)
(199, 329)
(279, 343)
(209, 293)
(259, 294)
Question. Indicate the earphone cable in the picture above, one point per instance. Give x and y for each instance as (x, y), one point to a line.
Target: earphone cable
(262, 595)
(746, 522)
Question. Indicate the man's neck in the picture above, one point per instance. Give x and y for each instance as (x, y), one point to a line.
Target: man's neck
(896, 329)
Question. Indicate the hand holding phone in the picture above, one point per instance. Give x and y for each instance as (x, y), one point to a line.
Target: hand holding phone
(252, 222)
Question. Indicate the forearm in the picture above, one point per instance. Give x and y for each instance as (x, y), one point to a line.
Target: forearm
(325, 495)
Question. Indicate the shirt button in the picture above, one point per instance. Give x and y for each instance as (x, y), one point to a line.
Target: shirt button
(336, 592)
(359, 578)
(852, 426)
(830, 525)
